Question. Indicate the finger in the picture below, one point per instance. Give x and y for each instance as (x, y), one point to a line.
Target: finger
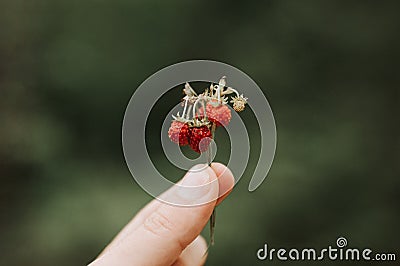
(225, 182)
(225, 179)
(132, 225)
(166, 232)
(194, 255)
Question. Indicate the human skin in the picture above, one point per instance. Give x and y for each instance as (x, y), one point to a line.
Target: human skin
(164, 234)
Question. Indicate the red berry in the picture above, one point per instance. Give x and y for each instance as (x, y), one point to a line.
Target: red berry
(179, 133)
(220, 115)
(199, 138)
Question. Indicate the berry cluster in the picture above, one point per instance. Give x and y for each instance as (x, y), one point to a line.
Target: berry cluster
(202, 114)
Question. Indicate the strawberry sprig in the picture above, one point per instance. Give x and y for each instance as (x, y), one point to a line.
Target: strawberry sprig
(201, 115)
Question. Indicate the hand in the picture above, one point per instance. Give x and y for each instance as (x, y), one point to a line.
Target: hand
(163, 234)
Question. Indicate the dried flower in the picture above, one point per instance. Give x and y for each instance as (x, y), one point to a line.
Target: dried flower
(239, 103)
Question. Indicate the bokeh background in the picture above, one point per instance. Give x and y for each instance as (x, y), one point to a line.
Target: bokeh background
(68, 69)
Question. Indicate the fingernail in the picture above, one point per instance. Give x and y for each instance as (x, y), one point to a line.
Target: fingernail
(196, 183)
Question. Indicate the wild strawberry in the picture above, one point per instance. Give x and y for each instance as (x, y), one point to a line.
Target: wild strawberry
(179, 133)
(199, 138)
(220, 114)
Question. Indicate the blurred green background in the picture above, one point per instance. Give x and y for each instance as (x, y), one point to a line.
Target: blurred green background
(68, 69)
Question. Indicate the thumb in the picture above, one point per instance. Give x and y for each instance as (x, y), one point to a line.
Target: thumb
(169, 229)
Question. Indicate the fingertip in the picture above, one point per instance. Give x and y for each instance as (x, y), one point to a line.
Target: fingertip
(219, 168)
(204, 168)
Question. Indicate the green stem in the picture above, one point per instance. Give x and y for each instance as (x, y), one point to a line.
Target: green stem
(213, 215)
(212, 227)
